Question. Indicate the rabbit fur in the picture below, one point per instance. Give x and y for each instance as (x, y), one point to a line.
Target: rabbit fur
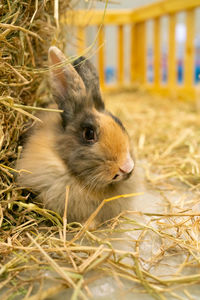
(85, 147)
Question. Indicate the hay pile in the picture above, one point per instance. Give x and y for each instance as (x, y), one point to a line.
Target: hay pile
(27, 29)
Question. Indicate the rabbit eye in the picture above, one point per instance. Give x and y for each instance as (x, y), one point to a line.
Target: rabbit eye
(89, 134)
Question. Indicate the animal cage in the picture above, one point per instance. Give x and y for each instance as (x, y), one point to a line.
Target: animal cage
(137, 20)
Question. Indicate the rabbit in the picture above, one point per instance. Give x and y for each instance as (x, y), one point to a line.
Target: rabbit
(85, 147)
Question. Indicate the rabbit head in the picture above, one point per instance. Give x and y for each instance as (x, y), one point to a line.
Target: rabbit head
(92, 142)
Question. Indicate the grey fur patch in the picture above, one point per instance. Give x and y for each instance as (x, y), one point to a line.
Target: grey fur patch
(89, 75)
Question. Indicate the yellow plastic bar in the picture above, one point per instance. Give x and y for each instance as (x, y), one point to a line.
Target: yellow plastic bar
(172, 53)
(180, 91)
(157, 52)
(96, 17)
(161, 8)
(114, 17)
(140, 52)
(120, 54)
(101, 59)
(81, 43)
(189, 49)
(132, 55)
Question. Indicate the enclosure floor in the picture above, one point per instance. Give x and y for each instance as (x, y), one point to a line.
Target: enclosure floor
(162, 228)
(162, 258)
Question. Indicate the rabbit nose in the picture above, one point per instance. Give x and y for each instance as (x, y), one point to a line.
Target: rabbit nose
(125, 169)
(128, 165)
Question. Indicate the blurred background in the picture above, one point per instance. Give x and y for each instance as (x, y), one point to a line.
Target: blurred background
(111, 36)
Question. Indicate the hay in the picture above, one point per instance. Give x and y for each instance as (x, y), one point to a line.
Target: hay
(38, 248)
(27, 29)
(168, 136)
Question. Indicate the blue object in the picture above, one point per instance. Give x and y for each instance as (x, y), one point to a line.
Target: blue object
(110, 74)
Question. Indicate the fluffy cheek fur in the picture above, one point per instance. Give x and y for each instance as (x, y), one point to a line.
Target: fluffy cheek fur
(86, 163)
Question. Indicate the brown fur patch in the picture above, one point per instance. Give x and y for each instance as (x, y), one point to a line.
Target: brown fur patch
(114, 141)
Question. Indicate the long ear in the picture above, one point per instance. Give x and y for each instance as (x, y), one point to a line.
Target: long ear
(67, 86)
(88, 73)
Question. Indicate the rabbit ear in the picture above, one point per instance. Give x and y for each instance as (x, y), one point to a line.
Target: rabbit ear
(89, 75)
(67, 86)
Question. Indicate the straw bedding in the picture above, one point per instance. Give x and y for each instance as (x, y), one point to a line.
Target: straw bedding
(145, 251)
(154, 251)
(27, 29)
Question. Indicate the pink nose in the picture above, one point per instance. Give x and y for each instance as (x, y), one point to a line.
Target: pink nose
(128, 165)
(126, 168)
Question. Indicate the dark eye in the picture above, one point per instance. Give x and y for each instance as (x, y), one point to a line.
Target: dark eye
(89, 134)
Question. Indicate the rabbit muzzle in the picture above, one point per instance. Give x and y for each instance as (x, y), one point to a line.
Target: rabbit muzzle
(125, 170)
